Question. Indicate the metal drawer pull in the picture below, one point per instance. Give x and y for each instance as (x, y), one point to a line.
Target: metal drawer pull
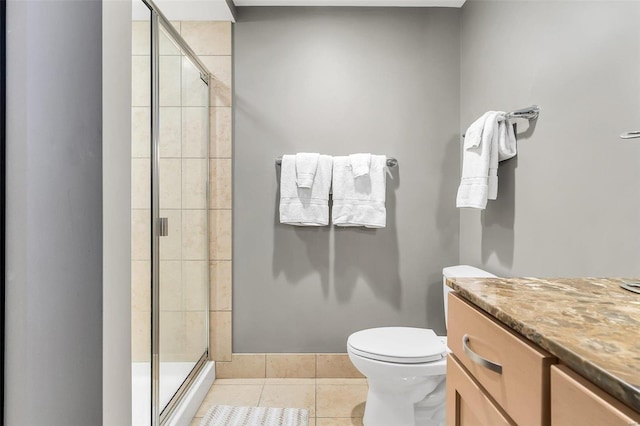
(477, 358)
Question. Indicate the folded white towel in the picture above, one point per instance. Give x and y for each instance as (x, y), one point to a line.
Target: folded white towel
(503, 148)
(306, 166)
(359, 201)
(360, 164)
(305, 206)
(476, 160)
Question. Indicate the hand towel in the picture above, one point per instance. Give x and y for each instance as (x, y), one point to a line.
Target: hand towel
(360, 164)
(306, 166)
(305, 206)
(503, 148)
(473, 191)
(359, 201)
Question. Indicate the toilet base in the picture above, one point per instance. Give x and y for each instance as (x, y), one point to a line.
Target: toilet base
(418, 401)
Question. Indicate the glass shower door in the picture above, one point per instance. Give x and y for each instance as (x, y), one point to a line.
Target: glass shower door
(180, 171)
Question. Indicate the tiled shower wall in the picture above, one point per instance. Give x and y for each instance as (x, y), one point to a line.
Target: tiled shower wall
(211, 41)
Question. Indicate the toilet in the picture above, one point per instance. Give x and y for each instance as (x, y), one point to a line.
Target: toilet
(405, 368)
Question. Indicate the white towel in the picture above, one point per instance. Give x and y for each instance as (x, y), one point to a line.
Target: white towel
(306, 166)
(476, 159)
(503, 148)
(360, 164)
(305, 206)
(359, 201)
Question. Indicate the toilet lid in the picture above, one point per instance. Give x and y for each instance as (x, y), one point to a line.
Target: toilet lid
(403, 345)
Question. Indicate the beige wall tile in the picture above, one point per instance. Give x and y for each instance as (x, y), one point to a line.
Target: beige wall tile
(220, 183)
(167, 45)
(221, 80)
(291, 365)
(194, 234)
(170, 81)
(171, 245)
(194, 183)
(208, 37)
(171, 285)
(291, 396)
(220, 337)
(141, 234)
(220, 120)
(238, 395)
(220, 234)
(335, 365)
(170, 132)
(340, 400)
(141, 285)
(194, 90)
(221, 279)
(195, 334)
(140, 132)
(173, 336)
(195, 278)
(140, 336)
(140, 183)
(141, 81)
(170, 183)
(249, 365)
(194, 132)
(140, 38)
(224, 370)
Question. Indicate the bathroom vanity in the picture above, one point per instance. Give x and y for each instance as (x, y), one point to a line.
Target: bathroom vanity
(530, 351)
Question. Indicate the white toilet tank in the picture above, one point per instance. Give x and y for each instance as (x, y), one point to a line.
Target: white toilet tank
(459, 271)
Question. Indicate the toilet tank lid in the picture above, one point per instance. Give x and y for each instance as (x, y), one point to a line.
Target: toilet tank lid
(465, 271)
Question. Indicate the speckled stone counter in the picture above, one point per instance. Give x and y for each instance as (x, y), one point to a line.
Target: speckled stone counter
(590, 324)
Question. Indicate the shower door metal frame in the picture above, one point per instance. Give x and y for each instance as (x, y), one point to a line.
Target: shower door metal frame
(159, 414)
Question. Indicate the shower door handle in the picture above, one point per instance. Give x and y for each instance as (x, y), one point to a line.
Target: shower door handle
(163, 226)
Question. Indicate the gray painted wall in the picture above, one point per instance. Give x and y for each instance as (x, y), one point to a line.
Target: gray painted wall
(340, 81)
(569, 205)
(54, 213)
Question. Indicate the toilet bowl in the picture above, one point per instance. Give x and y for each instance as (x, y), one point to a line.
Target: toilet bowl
(405, 368)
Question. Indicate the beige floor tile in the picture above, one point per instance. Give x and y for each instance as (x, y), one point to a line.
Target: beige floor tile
(275, 381)
(312, 421)
(195, 421)
(340, 400)
(239, 382)
(337, 381)
(289, 396)
(339, 421)
(237, 395)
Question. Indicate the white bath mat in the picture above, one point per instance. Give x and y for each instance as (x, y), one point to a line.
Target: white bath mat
(225, 415)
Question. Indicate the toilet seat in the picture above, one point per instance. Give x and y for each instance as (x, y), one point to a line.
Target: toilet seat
(400, 345)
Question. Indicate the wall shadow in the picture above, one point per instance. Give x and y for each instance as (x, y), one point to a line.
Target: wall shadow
(299, 251)
(370, 255)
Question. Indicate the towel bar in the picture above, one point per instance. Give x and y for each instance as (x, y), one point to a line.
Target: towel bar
(391, 162)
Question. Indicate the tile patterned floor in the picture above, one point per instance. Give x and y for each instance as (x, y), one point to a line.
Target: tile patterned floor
(331, 402)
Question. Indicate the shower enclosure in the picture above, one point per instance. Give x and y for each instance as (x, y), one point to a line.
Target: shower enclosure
(170, 253)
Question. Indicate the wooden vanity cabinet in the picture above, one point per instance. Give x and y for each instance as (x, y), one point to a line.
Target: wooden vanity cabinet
(576, 401)
(509, 369)
(495, 377)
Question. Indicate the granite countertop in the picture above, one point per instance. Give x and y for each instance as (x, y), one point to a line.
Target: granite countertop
(591, 324)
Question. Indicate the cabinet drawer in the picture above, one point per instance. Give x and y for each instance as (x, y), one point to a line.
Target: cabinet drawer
(576, 401)
(521, 388)
(467, 404)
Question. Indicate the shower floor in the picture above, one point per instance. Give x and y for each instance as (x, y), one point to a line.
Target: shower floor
(172, 375)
